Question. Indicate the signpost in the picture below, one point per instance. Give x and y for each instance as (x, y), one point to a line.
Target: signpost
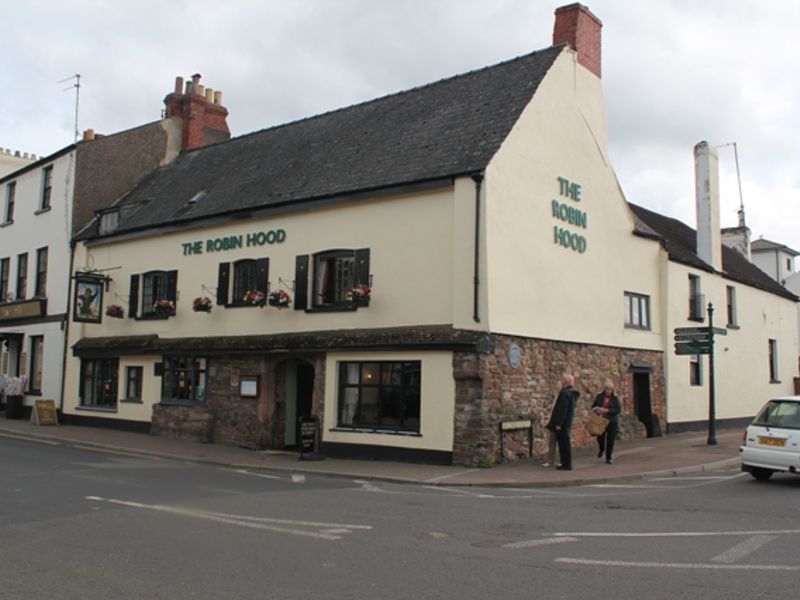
(700, 340)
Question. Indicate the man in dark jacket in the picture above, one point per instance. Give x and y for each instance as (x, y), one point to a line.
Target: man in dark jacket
(561, 420)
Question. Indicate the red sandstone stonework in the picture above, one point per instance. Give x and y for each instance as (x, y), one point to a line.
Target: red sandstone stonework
(489, 391)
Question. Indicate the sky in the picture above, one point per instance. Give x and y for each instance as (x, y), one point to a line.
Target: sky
(675, 72)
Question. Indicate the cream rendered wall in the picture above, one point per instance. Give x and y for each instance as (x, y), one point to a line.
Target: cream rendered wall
(538, 288)
(741, 357)
(29, 232)
(437, 391)
(411, 260)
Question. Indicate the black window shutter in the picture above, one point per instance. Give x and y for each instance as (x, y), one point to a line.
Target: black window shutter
(301, 282)
(262, 274)
(223, 283)
(362, 266)
(133, 297)
(172, 285)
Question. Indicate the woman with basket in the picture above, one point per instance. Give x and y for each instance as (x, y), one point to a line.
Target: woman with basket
(607, 405)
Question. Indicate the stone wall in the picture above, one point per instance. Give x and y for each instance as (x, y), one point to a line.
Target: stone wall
(489, 390)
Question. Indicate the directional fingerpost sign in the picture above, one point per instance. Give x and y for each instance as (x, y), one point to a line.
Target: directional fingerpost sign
(700, 340)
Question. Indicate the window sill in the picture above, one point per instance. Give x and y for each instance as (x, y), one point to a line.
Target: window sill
(635, 328)
(33, 393)
(131, 401)
(243, 305)
(329, 309)
(378, 431)
(96, 409)
(695, 319)
(42, 210)
(153, 317)
(7, 223)
(774, 380)
(729, 326)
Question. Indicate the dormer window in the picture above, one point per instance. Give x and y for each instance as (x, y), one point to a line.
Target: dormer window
(109, 222)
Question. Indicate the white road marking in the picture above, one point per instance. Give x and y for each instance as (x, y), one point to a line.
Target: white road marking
(540, 542)
(657, 565)
(628, 486)
(459, 492)
(244, 520)
(741, 550)
(246, 472)
(367, 486)
(672, 533)
(298, 478)
(705, 477)
(28, 439)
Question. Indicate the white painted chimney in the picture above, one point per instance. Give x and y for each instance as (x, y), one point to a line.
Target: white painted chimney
(706, 176)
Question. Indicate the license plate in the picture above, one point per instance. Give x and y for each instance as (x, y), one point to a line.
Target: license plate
(768, 441)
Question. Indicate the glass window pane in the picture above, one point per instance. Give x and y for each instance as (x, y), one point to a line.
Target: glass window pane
(370, 373)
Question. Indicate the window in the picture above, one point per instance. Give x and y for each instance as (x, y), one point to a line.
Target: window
(47, 187)
(109, 222)
(730, 297)
(773, 361)
(779, 413)
(637, 311)
(695, 370)
(696, 300)
(788, 264)
(5, 266)
(156, 286)
(335, 272)
(22, 276)
(37, 349)
(98, 388)
(41, 272)
(184, 379)
(11, 192)
(244, 279)
(380, 395)
(133, 383)
(249, 275)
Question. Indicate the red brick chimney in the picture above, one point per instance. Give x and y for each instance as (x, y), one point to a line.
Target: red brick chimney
(579, 28)
(200, 110)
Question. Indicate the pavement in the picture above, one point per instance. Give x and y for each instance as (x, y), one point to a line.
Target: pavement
(661, 456)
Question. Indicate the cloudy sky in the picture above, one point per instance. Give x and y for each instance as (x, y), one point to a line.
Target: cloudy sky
(675, 72)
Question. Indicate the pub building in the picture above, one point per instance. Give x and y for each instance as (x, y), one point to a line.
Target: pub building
(417, 272)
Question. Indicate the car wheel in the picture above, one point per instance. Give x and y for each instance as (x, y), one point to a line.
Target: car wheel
(761, 474)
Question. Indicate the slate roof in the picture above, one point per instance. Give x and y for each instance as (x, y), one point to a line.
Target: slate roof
(444, 129)
(680, 242)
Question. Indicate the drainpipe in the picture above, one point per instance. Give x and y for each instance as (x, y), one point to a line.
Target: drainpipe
(65, 326)
(478, 179)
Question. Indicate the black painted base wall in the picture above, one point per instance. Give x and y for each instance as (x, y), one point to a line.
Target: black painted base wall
(689, 426)
(367, 452)
(104, 423)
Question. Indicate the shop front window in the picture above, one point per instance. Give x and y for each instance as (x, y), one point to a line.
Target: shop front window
(380, 395)
(184, 379)
(99, 382)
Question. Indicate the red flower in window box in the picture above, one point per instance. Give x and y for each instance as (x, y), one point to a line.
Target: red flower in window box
(164, 307)
(359, 294)
(255, 297)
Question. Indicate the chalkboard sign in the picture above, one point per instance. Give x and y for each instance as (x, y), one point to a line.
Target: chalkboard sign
(44, 412)
(308, 434)
(309, 438)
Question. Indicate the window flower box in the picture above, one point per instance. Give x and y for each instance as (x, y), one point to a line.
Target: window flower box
(279, 299)
(202, 304)
(115, 311)
(255, 298)
(164, 308)
(359, 294)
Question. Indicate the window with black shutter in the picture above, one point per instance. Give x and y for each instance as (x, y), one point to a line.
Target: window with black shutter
(337, 274)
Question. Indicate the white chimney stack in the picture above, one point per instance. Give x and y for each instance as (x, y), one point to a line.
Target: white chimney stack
(706, 175)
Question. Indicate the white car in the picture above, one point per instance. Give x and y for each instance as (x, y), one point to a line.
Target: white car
(772, 441)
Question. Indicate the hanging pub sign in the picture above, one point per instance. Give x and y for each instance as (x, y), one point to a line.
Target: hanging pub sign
(87, 306)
